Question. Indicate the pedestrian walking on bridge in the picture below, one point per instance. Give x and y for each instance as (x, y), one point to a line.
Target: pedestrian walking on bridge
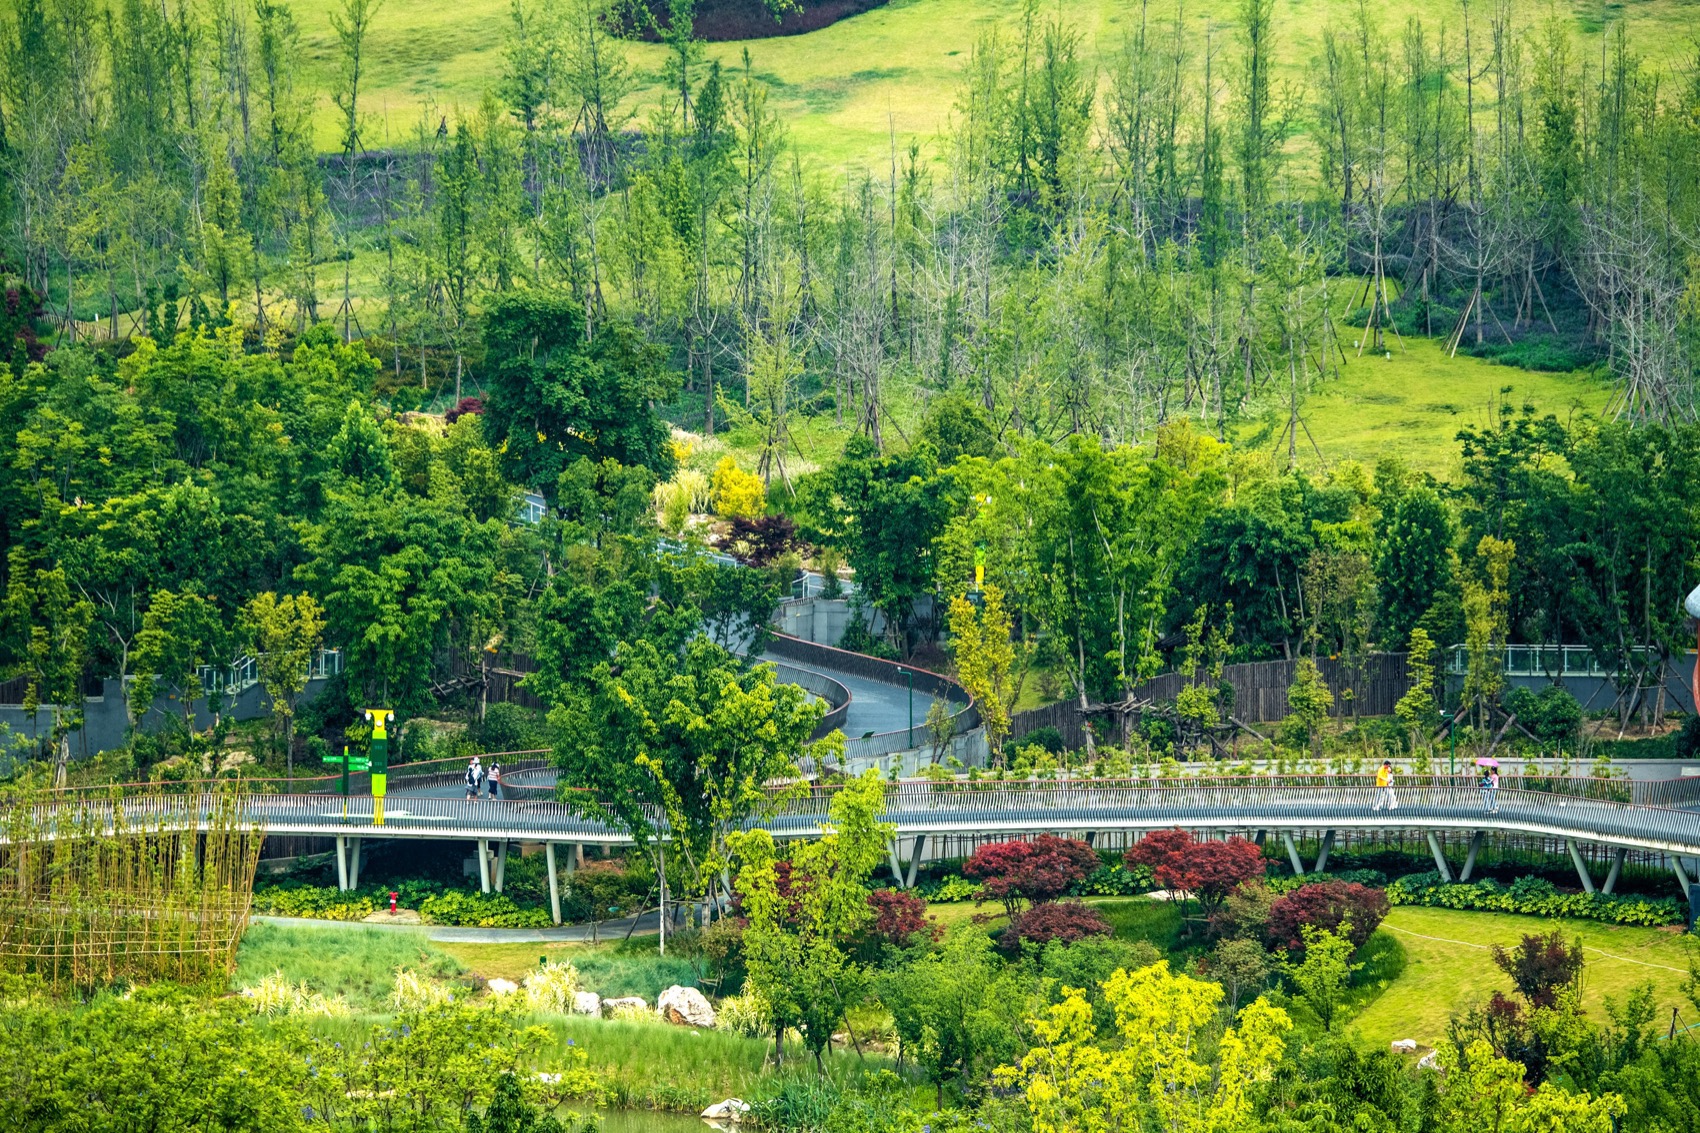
(1384, 787)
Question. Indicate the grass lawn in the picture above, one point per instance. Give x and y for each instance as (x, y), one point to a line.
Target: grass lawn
(1448, 968)
(340, 959)
(844, 90)
(1412, 406)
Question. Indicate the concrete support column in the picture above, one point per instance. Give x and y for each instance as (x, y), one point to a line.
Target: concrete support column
(915, 860)
(554, 882)
(1293, 854)
(1581, 866)
(896, 866)
(1470, 858)
(1681, 875)
(1322, 854)
(354, 863)
(341, 862)
(501, 863)
(484, 864)
(1616, 869)
(1439, 858)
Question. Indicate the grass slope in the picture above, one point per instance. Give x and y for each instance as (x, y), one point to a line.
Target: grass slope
(844, 90)
(1412, 405)
(351, 960)
(1448, 968)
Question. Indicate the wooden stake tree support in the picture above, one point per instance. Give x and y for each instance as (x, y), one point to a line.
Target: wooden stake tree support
(98, 892)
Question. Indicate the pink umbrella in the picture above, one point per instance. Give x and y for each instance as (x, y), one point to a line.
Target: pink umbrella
(1487, 761)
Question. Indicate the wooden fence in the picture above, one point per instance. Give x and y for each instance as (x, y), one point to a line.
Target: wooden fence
(1371, 687)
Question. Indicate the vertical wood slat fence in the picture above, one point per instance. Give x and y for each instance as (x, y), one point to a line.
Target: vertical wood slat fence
(1369, 687)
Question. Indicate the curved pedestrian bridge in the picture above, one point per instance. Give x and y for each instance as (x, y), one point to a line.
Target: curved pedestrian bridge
(1574, 811)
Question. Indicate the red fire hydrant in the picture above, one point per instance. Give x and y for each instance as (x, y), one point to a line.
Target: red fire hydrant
(392, 902)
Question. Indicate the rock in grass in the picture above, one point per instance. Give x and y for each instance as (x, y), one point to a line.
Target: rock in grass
(685, 1007)
(502, 987)
(625, 1006)
(732, 1109)
(1404, 1046)
(587, 1003)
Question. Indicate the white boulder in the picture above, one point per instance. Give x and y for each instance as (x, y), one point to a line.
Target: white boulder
(732, 1109)
(686, 1007)
(1429, 1061)
(1404, 1046)
(624, 1005)
(502, 987)
(587, 1003)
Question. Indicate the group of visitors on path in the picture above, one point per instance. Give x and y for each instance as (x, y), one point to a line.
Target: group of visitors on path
(477, 776)
(1384, 796)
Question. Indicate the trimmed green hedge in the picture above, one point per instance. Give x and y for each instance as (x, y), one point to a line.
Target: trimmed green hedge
(1533, 896)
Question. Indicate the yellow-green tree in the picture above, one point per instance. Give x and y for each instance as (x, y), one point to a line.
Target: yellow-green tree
(1161, 1075)
(794, 944)
(1308, 701)
(1484, 1093)
(1487, 617)
(985, 661)
(1416, 709)
(284, 633)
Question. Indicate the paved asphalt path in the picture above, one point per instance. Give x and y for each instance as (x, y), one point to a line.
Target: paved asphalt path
(874, 705)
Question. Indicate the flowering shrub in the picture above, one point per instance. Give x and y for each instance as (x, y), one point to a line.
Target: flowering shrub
(1535, 897)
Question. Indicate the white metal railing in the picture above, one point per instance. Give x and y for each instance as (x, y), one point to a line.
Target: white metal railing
(244, 673)
(1541, 661)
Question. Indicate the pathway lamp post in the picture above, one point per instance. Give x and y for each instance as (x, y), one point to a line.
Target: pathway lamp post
(909, 674)
(1451, 719)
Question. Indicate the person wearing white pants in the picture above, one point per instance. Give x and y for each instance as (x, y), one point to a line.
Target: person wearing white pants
(1384, 787)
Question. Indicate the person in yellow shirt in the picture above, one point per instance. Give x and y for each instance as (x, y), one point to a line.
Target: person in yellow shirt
(1384, 786)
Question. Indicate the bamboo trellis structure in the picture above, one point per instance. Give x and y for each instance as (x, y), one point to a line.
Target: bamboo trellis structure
(95, 895)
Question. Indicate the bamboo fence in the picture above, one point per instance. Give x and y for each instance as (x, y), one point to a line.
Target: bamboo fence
(94, 894)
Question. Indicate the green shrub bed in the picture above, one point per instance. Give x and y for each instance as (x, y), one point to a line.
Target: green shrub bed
(1533, 896)
(435, 903)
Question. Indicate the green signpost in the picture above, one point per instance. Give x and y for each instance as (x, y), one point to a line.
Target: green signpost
(348, 763)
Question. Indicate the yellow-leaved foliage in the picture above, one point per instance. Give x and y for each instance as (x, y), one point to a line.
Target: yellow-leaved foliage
(736, 492)
(1157, 1077)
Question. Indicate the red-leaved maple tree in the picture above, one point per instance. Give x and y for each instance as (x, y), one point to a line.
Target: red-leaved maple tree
(1032, 872)
(1207, 870)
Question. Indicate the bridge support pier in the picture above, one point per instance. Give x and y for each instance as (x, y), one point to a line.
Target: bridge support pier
(915, 860)
(501, 863)
(1293, 854)
(1470, 858)
(484, 864)
(1681, 875)
(1581, 866)
(1322, 854)
(1617, 854)
(354, 863)
(554, 882)
(342, 862)
(1439, 858)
